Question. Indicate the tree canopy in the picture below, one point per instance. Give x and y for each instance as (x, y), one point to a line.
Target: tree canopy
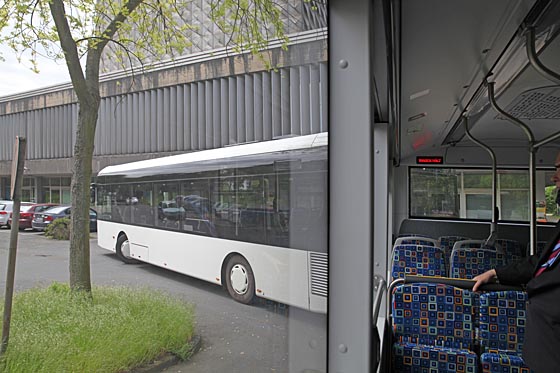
(139, 31)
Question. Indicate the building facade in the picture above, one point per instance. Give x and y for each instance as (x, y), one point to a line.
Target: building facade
(210, 98)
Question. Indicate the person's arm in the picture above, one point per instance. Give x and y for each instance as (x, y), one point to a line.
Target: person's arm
(484, 278)
(516, 273)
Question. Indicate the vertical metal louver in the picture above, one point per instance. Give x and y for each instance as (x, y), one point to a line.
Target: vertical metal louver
(319, 264)
(187, 117)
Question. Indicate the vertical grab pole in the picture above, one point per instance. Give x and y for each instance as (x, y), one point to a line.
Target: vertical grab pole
(494, 224)
(532, 166)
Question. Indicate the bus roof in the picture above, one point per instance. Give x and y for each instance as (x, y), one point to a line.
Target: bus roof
(446, 54)
(207, 158)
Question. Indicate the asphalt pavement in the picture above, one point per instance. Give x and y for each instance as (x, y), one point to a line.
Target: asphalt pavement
(263, 337)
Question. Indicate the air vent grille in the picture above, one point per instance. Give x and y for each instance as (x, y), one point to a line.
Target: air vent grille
(319, 263)
(541, 103)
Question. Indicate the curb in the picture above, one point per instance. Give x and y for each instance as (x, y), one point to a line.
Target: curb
(167, 360)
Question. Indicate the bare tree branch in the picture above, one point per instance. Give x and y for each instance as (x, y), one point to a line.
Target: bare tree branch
(68, 45)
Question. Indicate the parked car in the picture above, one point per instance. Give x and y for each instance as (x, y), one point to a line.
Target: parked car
(169, 210)
(43, 219)
(6, 208)
(27, 212)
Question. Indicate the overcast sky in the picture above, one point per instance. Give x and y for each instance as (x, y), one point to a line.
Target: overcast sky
(17, 78)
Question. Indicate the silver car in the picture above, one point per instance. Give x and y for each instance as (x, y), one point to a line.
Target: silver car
(6, 208)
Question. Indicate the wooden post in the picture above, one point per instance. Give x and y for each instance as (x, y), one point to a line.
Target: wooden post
(18, 161)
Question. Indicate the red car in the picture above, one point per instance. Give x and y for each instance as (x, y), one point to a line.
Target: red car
(26, 213)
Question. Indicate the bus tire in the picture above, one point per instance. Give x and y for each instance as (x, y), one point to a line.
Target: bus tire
(240, 281)
(123, 250)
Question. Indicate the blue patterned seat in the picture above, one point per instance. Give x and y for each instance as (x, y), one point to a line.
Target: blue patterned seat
(468, 263)
(502, 331)
(413, 235)
(447, 242)
(410, 357)
(417, 260)
(416, 240)
(503, 363)
(511, 248)
(468, 244)
(433, 328)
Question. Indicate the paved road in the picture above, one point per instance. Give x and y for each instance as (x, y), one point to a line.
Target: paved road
(266, 337)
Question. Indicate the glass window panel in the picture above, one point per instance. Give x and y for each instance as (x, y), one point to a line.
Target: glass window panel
(477, 179)
(434, 193)
(466, 194)
(479, 206)
(514, 205)
(142, 204)
(103, 203)
(55, 196)
(169, 209)
(66, 196)
(120, 203)
(514, 180)
(197, 209)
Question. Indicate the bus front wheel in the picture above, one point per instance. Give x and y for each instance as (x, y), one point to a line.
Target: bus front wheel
(240, 281)
(123, 250)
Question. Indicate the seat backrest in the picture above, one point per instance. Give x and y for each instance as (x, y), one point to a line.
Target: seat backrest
(413, 235)
(447, 242)
(502, 321)
(511, 248)
(416, 240)
(468, 244)
(433, 314)
(417, 260)
(468, 263)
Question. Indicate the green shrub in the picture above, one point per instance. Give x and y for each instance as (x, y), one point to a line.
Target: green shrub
(115, 330)
(59, 229)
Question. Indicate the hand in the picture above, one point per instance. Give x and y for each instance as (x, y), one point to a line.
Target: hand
(483, 279)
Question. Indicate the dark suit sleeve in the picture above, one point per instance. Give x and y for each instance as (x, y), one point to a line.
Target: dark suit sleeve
(519, 272)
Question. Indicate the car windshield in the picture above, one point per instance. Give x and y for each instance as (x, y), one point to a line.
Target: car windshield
(56, 210)
(2, 207)
(43, 208)
(25, 208)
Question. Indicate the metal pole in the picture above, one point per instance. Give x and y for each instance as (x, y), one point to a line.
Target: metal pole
(17, 181)
(532, 167)
(534, 59)
(546, 140)
(494, 225)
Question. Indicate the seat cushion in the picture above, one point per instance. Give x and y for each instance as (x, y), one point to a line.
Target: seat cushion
(503, 362)
(411, 357)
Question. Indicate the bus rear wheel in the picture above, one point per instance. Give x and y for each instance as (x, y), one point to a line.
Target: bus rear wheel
(123, 250)
(240, 281)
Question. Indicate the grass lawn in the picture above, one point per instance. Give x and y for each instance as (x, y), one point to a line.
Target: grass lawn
(53, 330)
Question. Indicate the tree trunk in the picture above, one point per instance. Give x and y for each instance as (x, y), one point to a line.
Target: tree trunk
(80, 277)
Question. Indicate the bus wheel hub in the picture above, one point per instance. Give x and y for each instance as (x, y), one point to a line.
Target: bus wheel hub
(125, 249)
(239, 279)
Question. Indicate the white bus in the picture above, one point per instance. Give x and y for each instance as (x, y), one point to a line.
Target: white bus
(249, 217)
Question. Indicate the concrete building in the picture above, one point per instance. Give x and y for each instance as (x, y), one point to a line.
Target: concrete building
(209, 98)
